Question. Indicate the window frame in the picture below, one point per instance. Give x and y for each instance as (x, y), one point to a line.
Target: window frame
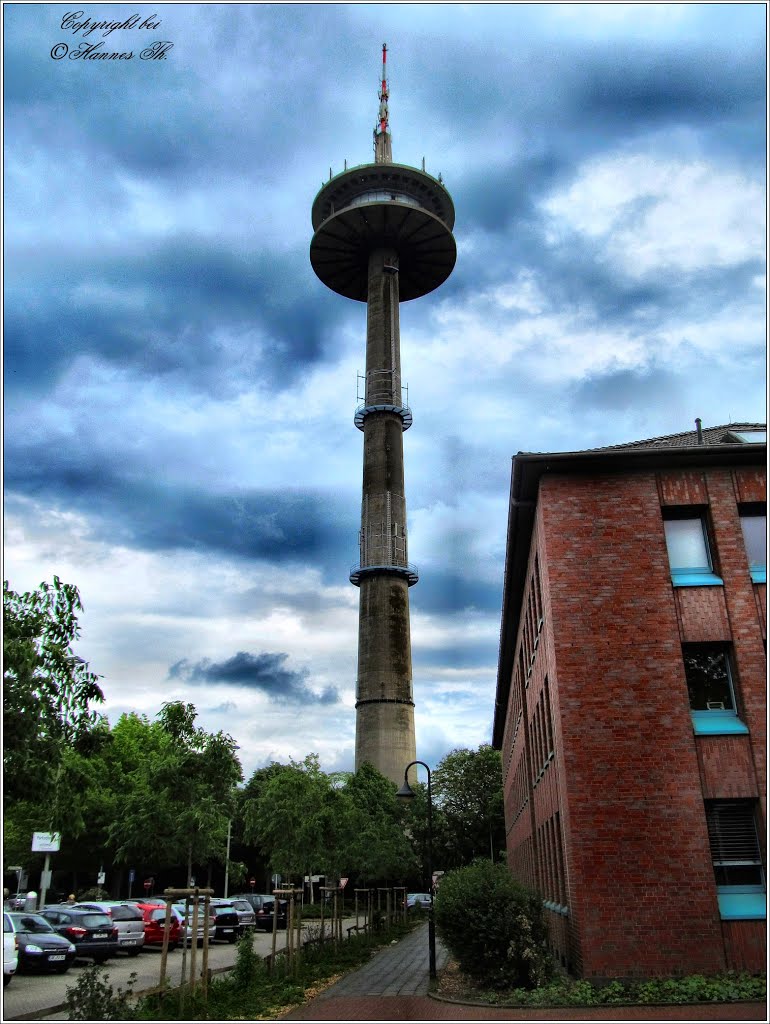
(754, 510)
(738, 901)
(684, 575)
(715, 721)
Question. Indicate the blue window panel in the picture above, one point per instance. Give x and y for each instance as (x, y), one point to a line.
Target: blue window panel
(759, 575)
(717, 723)
(742, 902)
(695, 578)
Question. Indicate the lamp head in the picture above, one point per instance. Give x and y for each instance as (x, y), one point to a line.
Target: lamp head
(406, 792)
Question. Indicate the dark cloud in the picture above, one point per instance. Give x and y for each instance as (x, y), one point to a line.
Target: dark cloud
(629, 389)
(262, 672)
(194, 296)
(442, 591)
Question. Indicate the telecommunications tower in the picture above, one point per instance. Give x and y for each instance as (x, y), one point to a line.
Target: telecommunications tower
(383, 234)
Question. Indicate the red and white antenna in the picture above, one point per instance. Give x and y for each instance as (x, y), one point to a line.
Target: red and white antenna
(382, 149)
(384, 91)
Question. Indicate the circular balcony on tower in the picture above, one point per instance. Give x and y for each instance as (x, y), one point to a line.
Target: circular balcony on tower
(407, 570)
(402, 411)
(377, 206)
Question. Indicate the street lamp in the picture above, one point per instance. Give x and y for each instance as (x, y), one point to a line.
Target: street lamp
(407, 793)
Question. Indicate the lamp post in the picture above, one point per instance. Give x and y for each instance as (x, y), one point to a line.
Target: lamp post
(407, 793)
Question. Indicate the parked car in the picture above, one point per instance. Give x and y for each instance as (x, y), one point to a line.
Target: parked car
(247, 918)
(226, 924)
(187, 921)
(154, 917)
(264, 908)
(91, 932)
(37, 946)
(10, 950)
(418, 899)
(128, 920)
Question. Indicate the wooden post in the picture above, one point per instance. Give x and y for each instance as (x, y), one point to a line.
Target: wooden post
(194, 945)
(164, 947)
(323, 907)
(205, 954)
(275, 931)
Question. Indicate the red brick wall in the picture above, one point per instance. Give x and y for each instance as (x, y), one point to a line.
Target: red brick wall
(626, 778)
(745, 945)
(726, 767)
(639, 853)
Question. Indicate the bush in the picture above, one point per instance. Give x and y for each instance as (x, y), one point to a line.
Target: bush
(493, 926)
(93, 998)
(247, 964)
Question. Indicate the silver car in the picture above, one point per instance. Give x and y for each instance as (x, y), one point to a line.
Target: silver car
(247, 919)
(127, 919)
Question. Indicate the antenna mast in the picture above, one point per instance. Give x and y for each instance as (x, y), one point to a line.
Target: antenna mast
(382, 148)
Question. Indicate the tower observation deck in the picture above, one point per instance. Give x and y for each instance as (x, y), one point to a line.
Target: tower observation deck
(383, 235)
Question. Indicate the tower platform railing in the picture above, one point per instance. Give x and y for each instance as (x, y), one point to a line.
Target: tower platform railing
(406, 569)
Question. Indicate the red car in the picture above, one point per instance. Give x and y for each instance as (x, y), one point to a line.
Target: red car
(154, 917)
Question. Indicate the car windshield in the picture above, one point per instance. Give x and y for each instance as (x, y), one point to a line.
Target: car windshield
(32, 923)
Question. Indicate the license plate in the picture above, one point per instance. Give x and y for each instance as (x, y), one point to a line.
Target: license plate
(57, 956)
(100, 935)
(129, 942)
(225, 931)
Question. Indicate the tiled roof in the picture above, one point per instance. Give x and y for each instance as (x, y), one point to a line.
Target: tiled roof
(728, 433)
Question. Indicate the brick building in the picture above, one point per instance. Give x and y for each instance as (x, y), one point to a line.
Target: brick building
(630, 707)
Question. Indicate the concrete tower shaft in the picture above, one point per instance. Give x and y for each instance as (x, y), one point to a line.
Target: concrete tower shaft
(383, 235)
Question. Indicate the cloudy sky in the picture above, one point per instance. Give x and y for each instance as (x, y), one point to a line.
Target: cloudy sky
(180, 388)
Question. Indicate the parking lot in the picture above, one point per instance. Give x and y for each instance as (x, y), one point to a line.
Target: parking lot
(29, 996)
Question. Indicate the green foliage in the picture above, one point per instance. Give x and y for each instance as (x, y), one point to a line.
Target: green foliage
(47, 693)
(378, 848)
(299, 818)
(248, 966)
(493, 926)
(268, 996)
(694, 988)
(93, 998)
(468, 792)
(181, 792)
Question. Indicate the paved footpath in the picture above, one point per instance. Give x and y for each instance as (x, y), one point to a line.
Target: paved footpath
(393, 986)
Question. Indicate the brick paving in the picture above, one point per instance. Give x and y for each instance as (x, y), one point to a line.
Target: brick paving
(393, 986)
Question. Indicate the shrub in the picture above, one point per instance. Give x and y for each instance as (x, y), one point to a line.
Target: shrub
(93, 998)
(493, 926)
(247, 964)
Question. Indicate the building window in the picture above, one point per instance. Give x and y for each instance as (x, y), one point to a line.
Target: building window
(737, 860)
(689, 554)
(754, 526)
(710, 686)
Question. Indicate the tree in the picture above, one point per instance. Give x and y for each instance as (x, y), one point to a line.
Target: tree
(300, 818)
(181, 791)
(378, 848)
(47, 690)
(468, 789)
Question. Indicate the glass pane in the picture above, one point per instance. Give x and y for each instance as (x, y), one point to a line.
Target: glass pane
(739, 874)
(686, 543)
(755, 537)
(708, 680)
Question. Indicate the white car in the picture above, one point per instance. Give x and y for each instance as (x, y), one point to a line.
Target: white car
(10, 953)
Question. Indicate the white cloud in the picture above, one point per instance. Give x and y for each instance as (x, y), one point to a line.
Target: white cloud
(653, 215)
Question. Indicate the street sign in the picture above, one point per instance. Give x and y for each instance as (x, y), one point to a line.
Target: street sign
(101, 878)
(14, 867)
(45, 879)
(252, 882)
(131, 875)
(148, 884)
(343, 883)
(46, 842)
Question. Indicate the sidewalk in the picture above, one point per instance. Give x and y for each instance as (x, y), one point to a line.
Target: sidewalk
(393, 986)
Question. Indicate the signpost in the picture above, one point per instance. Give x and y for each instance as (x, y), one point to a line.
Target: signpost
(47, 843)
(131, 877)
(252, 883)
